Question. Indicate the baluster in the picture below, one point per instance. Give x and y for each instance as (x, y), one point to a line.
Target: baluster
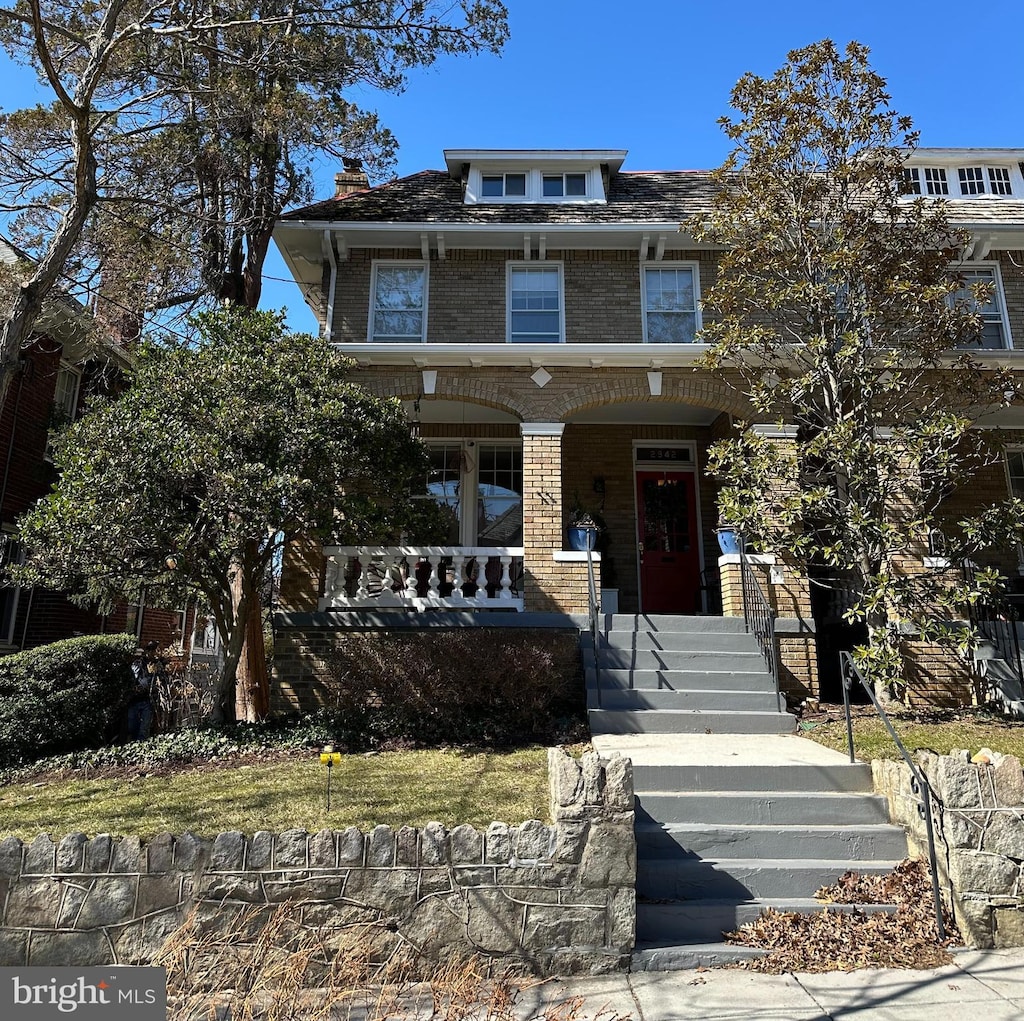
(506, 578)
(411, 563)
(434, 584)
(362, 563)
(458, 576)
(331, 581)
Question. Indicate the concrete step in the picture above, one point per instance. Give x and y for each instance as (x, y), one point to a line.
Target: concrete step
(682, 680)
(670, 623)
(741, 660)
(673, 641)
(758, 808)
(673, 841)
(638, 698)
(688, 721)
(852, 777)
(740, 879)
(659, 956)
(701, 921)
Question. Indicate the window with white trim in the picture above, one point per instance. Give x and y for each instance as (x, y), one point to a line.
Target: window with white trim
(571, 185)
(995, 331)
(65, 402)
(503, 185)
(671, 297)
(534, 303)
(960, 181)
(480, 485)
(398, 303)
(1015, 470)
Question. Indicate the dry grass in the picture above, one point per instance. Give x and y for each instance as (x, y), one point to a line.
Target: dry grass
(394, 788)
(271, 968)
(937, 730)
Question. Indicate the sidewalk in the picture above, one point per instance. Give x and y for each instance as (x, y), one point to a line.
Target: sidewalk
(983, 985)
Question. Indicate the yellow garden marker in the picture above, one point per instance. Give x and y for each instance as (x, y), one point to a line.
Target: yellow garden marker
(330, 758)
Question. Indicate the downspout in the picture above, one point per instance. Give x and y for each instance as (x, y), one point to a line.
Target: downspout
(328, 248)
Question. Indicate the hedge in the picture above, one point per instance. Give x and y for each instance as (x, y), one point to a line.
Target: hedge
(63, 697)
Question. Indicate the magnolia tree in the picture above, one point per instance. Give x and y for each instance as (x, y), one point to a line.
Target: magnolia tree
(841, 312)
(217, 455)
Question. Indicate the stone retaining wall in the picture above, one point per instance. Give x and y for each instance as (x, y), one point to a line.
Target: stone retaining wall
(554, 898)
(979, 838)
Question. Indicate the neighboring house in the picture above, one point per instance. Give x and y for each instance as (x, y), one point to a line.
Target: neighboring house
(537, 312)
(60, 366)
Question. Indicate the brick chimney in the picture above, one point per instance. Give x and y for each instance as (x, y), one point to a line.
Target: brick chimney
(352, 178)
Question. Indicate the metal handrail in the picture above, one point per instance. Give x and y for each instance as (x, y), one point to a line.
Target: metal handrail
(759, 618)
(594, 617)
(918, 782)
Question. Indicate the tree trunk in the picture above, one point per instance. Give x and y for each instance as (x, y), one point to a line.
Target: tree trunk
(252, 690)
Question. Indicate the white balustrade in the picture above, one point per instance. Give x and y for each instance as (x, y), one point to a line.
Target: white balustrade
(423, 577)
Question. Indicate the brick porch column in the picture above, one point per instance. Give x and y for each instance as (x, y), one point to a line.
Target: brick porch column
(549, 585)
(785, 583)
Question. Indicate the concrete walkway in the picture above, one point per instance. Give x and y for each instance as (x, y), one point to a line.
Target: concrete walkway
(983, 985)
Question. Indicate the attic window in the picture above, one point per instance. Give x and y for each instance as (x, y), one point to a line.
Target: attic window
(573, 185)
(503, 185)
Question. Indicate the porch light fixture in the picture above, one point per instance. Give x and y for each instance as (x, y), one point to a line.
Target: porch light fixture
(414, 422)
(429, 380)
(654, 383)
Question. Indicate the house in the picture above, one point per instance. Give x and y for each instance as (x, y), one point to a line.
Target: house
(62, 365)
(537, 312)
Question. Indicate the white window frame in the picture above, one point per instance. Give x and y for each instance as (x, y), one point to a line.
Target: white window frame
(67, 370)
(680, 264)
(377, 264)
(593, 185)
(998, 296)
(505, 175)
(534, 265)
(1010, 177)
(469, 477)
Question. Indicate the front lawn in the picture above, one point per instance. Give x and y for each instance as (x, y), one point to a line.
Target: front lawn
(250, 793)
(937, 730)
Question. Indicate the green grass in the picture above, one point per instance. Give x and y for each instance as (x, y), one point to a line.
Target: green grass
(395, 788)
(872, 741)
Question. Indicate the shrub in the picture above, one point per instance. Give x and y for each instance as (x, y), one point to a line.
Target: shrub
(461, 686)
(63, 697)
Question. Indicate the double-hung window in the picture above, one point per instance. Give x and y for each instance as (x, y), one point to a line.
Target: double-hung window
(398, 303)
(65, 403)
(995, 332)
(535, 303)
(671, 294)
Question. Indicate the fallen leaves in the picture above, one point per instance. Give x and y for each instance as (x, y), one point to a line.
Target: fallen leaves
(846, 939)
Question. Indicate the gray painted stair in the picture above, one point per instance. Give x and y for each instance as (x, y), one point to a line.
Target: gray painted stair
(718, 843)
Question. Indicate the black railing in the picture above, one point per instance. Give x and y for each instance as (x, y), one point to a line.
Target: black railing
(995, 620)
(594, 614)
(759, 618)
(918, 782)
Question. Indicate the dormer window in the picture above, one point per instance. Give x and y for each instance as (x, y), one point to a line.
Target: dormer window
(503, 185)
(961, 180)
(572, 185)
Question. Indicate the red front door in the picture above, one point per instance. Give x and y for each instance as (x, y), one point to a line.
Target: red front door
(668, 542)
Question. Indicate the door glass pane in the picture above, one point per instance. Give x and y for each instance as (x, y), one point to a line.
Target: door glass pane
(500, 496)
(666, 516)
(444, 485)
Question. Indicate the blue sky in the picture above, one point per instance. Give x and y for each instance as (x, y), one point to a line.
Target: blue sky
(653, 76)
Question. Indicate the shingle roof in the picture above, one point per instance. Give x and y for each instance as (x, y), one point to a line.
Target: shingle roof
(433, 196)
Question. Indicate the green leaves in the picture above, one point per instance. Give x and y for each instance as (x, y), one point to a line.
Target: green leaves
(217, 454)
(836, 312)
